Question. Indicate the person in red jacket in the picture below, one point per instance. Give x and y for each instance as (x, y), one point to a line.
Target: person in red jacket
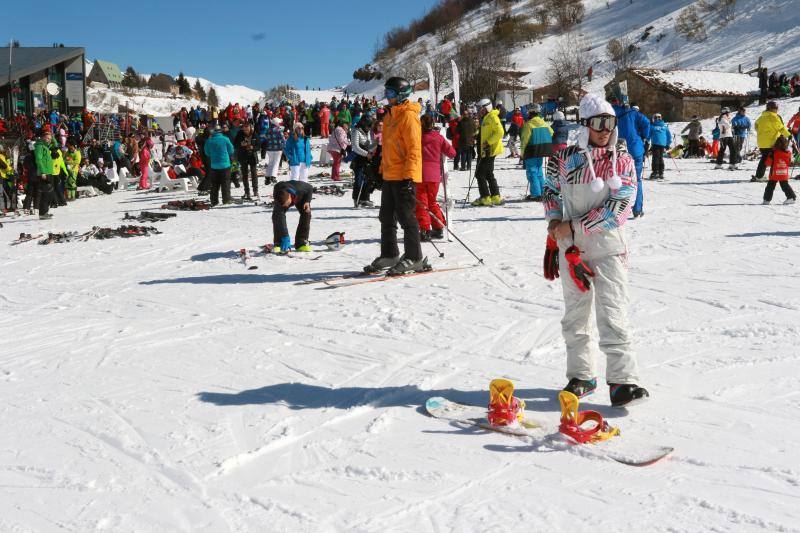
(794, 126)
(324, 121)
(455, 136)
(434, 146)
(780, 160)
(446, 109)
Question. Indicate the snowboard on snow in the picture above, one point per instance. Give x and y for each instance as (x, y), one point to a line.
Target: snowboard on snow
(631, 454)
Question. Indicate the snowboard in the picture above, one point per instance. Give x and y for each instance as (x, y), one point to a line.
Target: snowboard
(631, 454)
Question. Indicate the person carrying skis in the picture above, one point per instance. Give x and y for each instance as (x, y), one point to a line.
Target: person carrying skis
(588, 196)
(429, 214)
(779, 161)
(285, 195)
(660, 141)
(491, 146)
(741, 129)
(537, 143)
(401, 166)
(769, 127)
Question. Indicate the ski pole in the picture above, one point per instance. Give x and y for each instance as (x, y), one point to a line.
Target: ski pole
(451, 233)
(469, 188)
(441, 253)
(446, 202)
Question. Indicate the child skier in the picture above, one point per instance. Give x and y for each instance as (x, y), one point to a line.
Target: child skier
(287, 194)
(588, 196)
(779, 160)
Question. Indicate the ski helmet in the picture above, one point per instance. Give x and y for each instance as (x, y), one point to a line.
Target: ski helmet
(558, 115)
(535, 108)
(335, 240)
(397, 87)
(725, 110)
(486, 104)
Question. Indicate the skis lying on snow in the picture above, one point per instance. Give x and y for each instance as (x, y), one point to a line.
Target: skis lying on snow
(374, 278)
(267, 249)
(631, 454)
(25, 237)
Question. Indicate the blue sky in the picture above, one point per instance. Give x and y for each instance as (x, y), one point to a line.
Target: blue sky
(247, 42)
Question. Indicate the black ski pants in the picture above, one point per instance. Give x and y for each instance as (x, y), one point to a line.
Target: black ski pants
(280, 228)
(762, 163)
(785, 187)
(220, 179)
(248, 166)
(484, 173)
(694, 148)
(738, 144)
(658, 160)
(727, 143)
(398, 204)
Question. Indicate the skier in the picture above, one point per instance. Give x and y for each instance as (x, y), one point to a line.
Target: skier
(589, 191)
(402, 170)
(364, 146)
(726, 140)
(245, 144)
(779, 161)
(434, 146)
(274, 143)
(491, 145)
(633, 127)
(287, 194)
(298, 153)
(466, 140)
(537, 143)
(660, 141)
(695, 129)
(769, 127)
(219, 150)
(560, 131)
(741, 130)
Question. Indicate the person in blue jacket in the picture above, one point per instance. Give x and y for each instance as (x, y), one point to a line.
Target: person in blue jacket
(560, 131)
(634, 127)
(741, 129)
(298, 153)
(660, 141)
(219, 150)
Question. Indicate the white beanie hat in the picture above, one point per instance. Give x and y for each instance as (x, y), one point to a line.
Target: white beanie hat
(593, 105)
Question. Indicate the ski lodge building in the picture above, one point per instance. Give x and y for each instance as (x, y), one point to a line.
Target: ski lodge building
(42, 78)
(680, 94)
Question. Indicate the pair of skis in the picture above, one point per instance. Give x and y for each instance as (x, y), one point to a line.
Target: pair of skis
(246, 256)
(361, 278)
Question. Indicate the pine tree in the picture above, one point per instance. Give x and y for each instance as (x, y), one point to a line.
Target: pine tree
(183, 85)
(199, 91)
(212, 98)
(130, 78)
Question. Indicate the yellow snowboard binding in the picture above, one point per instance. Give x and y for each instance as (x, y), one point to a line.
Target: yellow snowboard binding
(504, 408)
(572, 421)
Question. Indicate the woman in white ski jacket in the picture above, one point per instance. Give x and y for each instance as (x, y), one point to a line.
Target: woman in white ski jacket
(726, 140)
(589, 193)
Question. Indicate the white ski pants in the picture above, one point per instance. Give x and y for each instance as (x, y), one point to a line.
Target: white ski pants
(609, 293)
(272, 165)
(300, 172)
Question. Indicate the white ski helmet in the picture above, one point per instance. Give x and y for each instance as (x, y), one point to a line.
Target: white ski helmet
(335, 240)
(558, 115)
(486, 104)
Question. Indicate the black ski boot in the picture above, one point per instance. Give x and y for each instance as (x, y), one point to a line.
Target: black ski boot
(437, 234)
(381, 263)
(424, 235)
(409, 266)
(625, 395)
(581, 387)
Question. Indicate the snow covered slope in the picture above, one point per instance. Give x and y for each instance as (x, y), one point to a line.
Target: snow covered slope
(767, 29)
(106, 100)
(154, 384)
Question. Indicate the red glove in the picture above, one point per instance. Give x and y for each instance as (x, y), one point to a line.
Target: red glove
(551, 259)
(578, 270)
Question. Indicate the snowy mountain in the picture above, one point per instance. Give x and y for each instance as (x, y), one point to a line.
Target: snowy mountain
(108, 100)
(767, 29)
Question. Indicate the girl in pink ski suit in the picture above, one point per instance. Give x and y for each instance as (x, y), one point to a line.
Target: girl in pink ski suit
(144, 164)
(433, 147)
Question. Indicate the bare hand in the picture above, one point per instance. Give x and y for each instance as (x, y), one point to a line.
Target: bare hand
(559, 230)
(306, 207)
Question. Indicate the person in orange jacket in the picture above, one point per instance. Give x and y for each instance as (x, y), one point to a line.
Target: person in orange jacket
(324, 121)
(780, 161)
(401, 167)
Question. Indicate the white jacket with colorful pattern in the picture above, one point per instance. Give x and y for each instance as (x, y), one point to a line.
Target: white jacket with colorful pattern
(597, 217)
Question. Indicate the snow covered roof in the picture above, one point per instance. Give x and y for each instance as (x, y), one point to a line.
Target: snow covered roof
(699, 82)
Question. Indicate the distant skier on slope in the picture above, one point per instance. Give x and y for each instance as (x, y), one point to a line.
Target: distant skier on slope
(588, 194)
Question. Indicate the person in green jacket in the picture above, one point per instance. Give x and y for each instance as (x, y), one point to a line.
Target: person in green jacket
(344, 116)
(491, 146)
(42, 185)
(537, 143)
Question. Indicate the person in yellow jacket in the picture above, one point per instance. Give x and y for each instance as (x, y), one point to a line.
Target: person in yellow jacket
(491, 146)
(73, 164)
(59, 176)
(537, 143)
(7, 181)
(401, 167)
(769, 126)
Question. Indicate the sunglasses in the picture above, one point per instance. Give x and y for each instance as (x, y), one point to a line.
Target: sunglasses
(601, 123)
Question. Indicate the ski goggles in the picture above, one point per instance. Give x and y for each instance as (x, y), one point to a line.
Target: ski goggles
(601, 123)
(390, 93)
